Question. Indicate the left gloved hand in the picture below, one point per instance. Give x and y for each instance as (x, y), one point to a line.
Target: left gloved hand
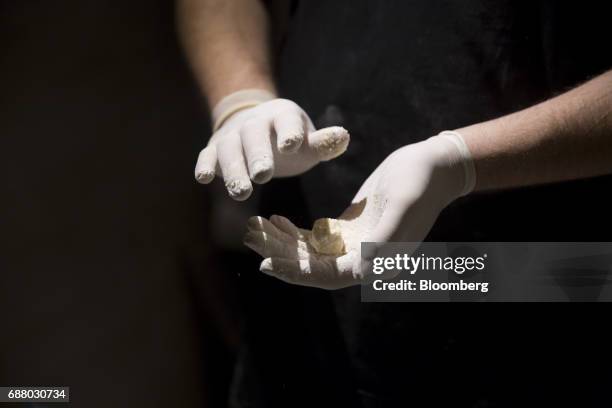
(400, 201)
(258, 136)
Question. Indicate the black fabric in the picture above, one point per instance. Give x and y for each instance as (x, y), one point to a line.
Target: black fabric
(101, 222)
(397, 72)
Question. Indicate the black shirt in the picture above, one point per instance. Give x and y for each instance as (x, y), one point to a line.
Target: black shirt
(394, 73)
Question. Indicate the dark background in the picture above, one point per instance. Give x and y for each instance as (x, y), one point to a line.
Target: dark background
(115, 278)
(104, 255)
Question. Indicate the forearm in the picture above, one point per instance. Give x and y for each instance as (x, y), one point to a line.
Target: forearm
(226, 42)
(564, 138)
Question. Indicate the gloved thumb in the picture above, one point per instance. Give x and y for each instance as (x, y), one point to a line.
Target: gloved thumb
(328, 143)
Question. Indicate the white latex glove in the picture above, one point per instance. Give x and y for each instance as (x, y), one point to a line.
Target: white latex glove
(400, 202)
(258, 136)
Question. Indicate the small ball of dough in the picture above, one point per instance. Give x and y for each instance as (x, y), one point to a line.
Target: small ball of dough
(326, 237)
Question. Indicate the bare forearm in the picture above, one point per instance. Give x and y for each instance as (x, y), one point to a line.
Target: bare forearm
(564, 138)
(226, 42)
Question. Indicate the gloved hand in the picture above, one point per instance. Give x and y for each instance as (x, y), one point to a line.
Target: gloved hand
(400, 202)
(257, 136)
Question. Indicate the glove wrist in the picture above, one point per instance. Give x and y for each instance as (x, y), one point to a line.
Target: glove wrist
(457, 160)
(236, 102)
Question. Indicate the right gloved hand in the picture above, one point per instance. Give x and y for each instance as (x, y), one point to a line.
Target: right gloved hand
(399, 202)
(258, 136)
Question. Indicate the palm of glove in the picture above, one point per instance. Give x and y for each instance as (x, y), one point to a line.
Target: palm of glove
(290, 256)
(400, 201)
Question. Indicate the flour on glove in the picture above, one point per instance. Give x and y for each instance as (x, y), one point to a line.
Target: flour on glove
(399, 202)
(257, 136)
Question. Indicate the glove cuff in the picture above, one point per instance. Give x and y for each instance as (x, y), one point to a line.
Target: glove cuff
(237, 101)
(465, 158)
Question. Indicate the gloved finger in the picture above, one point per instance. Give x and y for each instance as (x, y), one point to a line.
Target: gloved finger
(206, 164)
(268, 246)
(325, 273)
(257, 146)
(261, 224)
(287, 226)
(290, 129)
(313, 272)
(328, 143)
(233, 167)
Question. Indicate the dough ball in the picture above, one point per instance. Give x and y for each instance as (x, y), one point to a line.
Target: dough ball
(326, 237)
